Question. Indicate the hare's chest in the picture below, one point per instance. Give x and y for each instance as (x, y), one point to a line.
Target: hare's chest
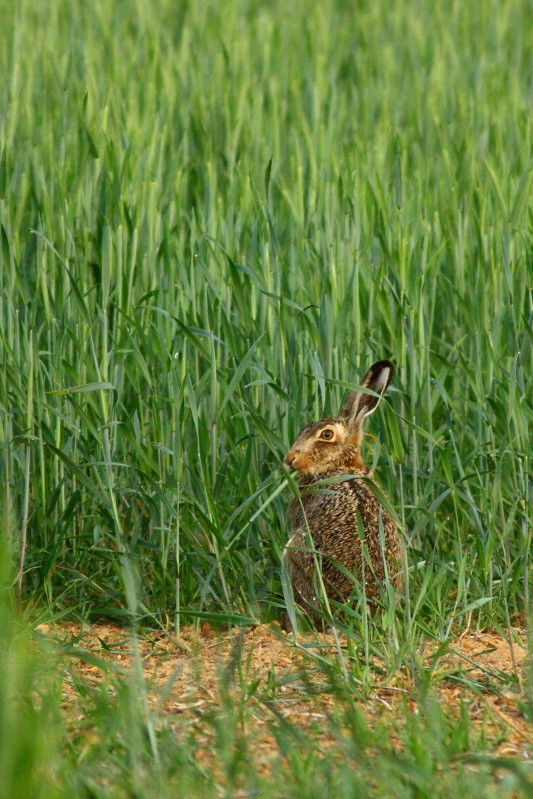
(321, 511)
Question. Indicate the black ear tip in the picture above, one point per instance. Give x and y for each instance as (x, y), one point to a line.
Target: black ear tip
(379, 376)
(379, 365)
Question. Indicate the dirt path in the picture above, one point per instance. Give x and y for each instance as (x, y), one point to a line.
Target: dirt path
(481, 671)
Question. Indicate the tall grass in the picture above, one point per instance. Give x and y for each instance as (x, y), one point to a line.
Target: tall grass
(213, 217)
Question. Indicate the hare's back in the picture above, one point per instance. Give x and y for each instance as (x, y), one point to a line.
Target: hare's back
(345, 521)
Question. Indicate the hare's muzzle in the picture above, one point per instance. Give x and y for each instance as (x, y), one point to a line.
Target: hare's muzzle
(299, 460)
(289, 460)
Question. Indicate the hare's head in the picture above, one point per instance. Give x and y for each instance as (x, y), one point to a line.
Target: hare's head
(332, 444)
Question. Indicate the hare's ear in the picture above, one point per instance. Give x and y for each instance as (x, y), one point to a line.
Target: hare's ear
(358, 405)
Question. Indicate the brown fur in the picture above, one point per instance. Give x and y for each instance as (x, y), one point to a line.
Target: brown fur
(343, 520)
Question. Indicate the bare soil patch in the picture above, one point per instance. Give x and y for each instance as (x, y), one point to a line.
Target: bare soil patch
(271, 680)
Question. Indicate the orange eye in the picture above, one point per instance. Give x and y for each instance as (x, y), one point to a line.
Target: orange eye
(327, 434)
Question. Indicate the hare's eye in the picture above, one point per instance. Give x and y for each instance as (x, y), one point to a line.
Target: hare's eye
(327, 434)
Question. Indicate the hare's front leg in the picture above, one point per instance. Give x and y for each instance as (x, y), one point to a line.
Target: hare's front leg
(300, 567)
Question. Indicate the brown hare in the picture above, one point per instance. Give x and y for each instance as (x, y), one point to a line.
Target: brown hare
(340, 521)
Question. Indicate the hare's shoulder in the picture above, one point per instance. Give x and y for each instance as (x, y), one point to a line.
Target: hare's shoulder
(347, 496)
(356, 486)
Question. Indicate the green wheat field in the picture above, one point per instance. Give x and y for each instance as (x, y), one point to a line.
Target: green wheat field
(214, 216)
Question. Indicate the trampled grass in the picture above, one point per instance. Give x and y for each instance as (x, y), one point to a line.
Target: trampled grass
(213, 217)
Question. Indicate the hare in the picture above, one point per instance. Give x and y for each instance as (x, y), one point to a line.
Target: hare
(340, 520)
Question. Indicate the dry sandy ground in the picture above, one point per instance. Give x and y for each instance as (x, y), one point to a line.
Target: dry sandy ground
(195, 670)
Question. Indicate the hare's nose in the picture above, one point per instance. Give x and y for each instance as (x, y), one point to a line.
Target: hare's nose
(290, 457)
